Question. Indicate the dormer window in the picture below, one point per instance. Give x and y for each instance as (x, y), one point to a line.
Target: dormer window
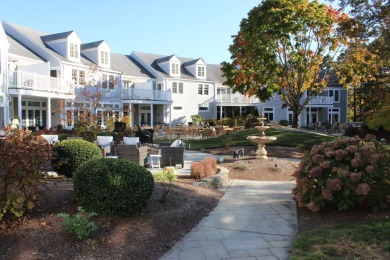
(74, 50)
(201, 71)
(104, 57)
(175, 68)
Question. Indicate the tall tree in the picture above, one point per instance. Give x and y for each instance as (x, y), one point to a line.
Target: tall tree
(283, 46)
(373, 94)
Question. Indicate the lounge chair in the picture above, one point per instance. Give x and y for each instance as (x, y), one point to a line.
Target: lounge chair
(133, 153)
(106, 144)
(173, 154)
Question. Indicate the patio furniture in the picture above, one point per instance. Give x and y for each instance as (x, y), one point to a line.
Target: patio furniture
(74, 138)
(155, 161)
(133, 153)
(106, 144)
(209, 132)
(51, 139)
(131, 141)
(172, 154)
(144, 138)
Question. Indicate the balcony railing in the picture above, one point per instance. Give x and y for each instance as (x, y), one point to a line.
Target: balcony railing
(321, 101)
(236, 99)
(33, 81)
(143, 94)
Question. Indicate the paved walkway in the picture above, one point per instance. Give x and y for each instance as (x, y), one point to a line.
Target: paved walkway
(253, 220)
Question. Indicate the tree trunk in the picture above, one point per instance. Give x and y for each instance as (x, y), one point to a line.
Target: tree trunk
(295, 119)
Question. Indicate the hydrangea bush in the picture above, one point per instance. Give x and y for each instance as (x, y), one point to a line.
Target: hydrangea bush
(346, 173)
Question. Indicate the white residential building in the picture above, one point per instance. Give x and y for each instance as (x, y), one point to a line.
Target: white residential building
(44, 78)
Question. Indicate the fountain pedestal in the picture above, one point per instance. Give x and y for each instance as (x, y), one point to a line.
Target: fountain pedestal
(261, 139)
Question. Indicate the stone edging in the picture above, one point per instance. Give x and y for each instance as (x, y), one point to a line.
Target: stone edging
(217, 181)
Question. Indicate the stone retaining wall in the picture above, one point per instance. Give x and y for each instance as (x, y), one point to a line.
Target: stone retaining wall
(217, 181)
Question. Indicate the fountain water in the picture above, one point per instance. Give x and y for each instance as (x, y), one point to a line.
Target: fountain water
(261, 139)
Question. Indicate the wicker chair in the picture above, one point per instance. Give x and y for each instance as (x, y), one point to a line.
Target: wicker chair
(171, 155)
(106, 144)
(133, 153)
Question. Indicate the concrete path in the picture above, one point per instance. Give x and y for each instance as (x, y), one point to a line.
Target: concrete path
(253, 220)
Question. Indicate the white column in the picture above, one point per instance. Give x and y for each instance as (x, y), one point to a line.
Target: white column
(20, 111)
(170, 115)
(48, 113)
(240, 110)
(163, 114)
(220, 112)
(131, 115)
(151, 115)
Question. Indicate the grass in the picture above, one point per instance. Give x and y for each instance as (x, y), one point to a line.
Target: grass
(290, 138)
(358, 240)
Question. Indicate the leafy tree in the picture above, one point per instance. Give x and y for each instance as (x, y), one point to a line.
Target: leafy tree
(372, 94)
(87, 105)
(285, 46)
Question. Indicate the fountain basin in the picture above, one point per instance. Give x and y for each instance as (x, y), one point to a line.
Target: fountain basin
(261, 152)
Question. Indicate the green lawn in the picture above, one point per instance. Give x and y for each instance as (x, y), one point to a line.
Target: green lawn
(290, 138)
(359, 240)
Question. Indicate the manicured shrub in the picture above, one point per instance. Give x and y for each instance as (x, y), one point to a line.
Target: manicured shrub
(346, 173)
(113, 187)
(283, 122)
(71, 154)
(197, 170)
(23, 158)
(205, 168)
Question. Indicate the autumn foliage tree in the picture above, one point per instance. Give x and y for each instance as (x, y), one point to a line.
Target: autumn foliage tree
(284, 47)
(370, 95)
(97, 88)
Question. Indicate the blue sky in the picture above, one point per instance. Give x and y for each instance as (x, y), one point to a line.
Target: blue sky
(187, 28)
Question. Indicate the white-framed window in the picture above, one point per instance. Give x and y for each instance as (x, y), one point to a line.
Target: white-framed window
(175, 68)
(201, 71)
(104, 80)
(108, 81)
(335, 93)
(74, 50)
(333, 115)
(203, 89)
(78, 77)
(268, 113)
(203, 109)
(104, 57)
(177, 87)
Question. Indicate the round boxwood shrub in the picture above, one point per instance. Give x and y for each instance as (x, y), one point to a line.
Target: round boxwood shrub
(347, 172)
(71, 154)
(113, 187)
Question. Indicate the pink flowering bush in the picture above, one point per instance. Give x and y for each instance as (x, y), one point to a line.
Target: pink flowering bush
(346, 173)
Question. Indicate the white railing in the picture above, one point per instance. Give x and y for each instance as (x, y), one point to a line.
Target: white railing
(207, 102)
(236, 99)
(321, 100)
(143, 94)
(33, 81)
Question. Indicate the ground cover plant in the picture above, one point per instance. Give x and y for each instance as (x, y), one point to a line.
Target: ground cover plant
(368, 239)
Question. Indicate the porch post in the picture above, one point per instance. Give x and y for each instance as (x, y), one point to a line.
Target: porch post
(20, 112)
(131, 115)
(151, 115)
(220, 112)
(48, 113)
(310, 116)
(240, 111)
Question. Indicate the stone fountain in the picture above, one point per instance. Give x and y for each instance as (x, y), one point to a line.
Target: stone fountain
(261, 139)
